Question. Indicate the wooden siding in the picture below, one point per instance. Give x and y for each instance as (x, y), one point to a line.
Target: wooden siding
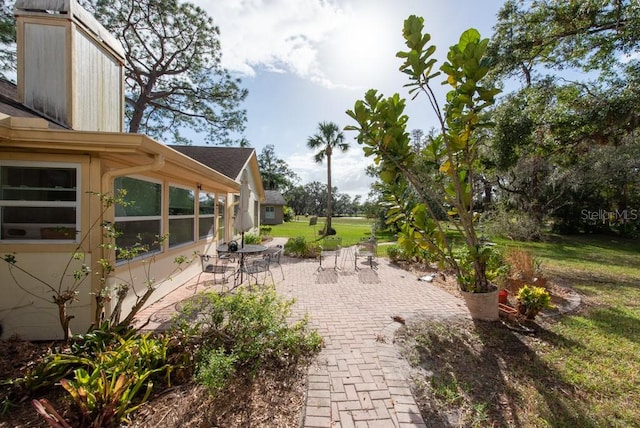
(68, 74)
(97, 77)
(45, 70)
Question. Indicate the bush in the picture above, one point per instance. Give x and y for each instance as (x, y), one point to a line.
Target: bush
(288, 213)
(252, 239)
(396, 254)
(531, 300)
(215, 369)
(246, 330)
(299, 247)
(516, 225)
(265, 230)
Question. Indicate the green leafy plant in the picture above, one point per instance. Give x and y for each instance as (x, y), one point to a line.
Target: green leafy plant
(265, 230)
(107, 400)
(246, 330)
(104, 372)
(530, 300)
(442, 173)
(251, 238)
(215, 369)
(300, 247)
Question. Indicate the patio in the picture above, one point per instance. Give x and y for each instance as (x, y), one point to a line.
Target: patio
(358, 377)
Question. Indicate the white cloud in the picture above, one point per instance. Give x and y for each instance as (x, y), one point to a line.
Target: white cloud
(277, 35)
(348, 170)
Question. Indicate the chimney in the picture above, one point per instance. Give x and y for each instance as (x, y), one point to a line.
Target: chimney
(70, 68)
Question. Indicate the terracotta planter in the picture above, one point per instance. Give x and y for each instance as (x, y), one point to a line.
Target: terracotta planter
(503, 297)
(482, 306)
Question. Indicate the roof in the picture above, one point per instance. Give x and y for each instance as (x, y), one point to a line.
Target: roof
(229, 161)
(10, 105)
(273, 197)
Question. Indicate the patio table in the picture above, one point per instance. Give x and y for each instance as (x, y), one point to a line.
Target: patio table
(246, 249)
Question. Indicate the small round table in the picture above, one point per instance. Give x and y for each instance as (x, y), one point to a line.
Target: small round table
(242, 250)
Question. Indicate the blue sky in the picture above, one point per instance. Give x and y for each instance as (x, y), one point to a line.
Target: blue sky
(308, 61)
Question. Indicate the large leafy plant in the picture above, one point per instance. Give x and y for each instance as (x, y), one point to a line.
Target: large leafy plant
(442, 172)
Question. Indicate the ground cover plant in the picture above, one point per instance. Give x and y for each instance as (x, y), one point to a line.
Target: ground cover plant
(220, 346)
(575, 369)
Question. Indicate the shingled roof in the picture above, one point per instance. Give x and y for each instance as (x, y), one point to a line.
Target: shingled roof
(227, 160)
(273, 197)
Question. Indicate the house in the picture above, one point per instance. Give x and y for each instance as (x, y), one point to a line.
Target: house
(61, 143)
(272, 209)
(232, 161)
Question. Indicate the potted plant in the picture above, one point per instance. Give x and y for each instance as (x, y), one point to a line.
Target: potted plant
(530, 300)
(442, 172)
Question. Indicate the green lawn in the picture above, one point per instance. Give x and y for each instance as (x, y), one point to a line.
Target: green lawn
(350, 229)
(579, 369)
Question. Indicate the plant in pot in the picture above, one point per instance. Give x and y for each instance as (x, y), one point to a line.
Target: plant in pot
(530, 300)
(440, 172)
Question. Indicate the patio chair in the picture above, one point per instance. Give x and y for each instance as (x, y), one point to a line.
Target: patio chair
(253, 269)
(330, 247)
(367, 249)
(217, 266)
(276, 254)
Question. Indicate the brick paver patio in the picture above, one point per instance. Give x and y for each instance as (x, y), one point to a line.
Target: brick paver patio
(359, 378)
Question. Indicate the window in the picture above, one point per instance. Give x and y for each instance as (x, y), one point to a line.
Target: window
(222, 202)
(39, 201)
(206, 215)
(141, 221)
(270, 213)
(181, 216)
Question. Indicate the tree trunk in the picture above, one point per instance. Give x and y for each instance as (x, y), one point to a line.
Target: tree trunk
(329, 213)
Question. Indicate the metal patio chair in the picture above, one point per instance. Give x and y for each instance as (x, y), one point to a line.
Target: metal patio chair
(330, 247)
(276, 253)
(253, 268)
(217, 266)
(367, 249)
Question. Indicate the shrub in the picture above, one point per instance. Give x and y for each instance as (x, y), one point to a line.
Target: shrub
(299, 247)
(265, 230)
(215, 369)
(288, 213)
(252, 239)
(531, 300)
(514, 225)
(247, 329)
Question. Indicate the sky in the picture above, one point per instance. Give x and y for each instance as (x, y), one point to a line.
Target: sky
(308, 61)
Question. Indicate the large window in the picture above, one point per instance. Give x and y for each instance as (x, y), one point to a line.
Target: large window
(206, 215)
(140, 222)
(39, 201)
(181, 216)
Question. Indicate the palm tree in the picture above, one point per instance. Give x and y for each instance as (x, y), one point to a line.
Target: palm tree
(328, 138)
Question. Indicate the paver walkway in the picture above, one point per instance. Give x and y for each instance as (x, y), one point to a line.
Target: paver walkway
(358, 379)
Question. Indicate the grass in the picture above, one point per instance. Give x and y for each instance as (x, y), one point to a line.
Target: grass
(350, 229)
(579, 369)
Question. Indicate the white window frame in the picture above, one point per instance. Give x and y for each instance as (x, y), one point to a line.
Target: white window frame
(143, 218)
(212, 232)
(221, 218)
(270, 212)
(77, 204)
